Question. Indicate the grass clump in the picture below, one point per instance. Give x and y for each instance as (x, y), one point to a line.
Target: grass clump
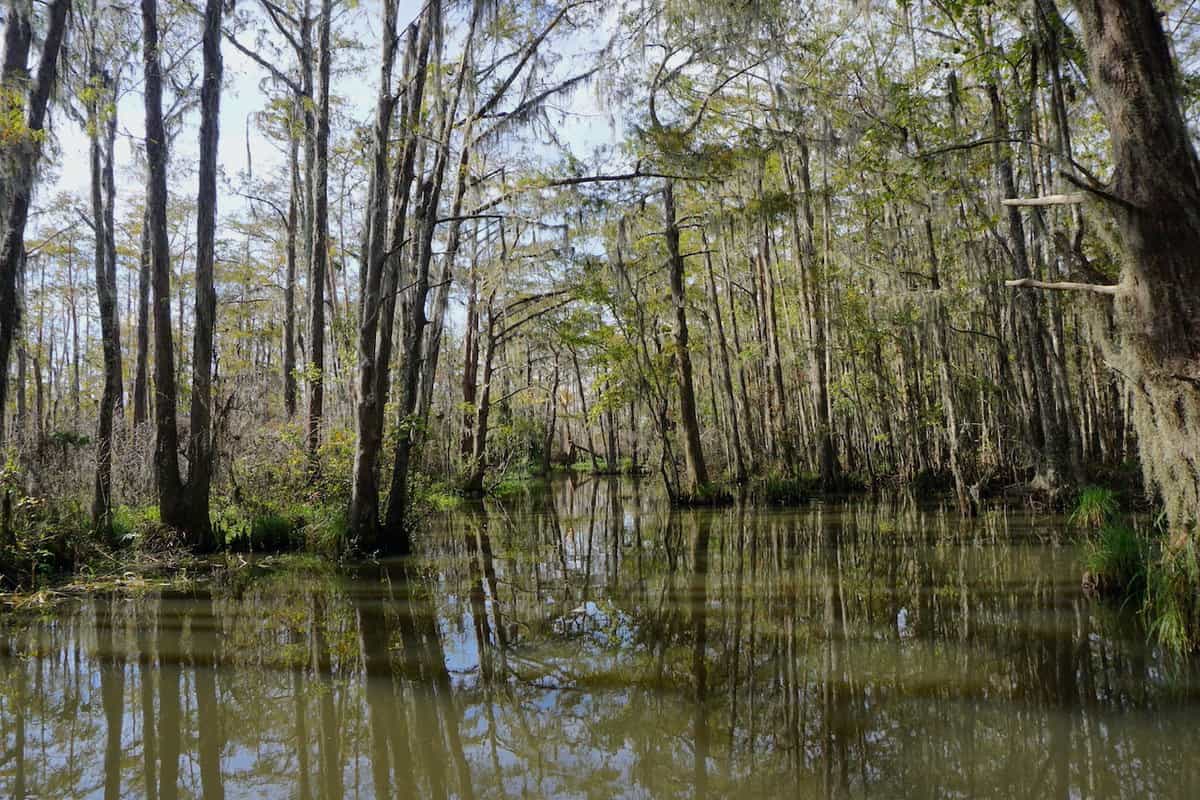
(706, 495)
(436, 496)
(1096, 507)
(325, 529)
(786, 490)
(1162, 578)
(1117, 561)
(1172, 602)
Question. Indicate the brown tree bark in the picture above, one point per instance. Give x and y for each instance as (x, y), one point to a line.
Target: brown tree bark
(295, 194)
(739, 457)
(319, 254)
(693, 451)
(1155, 199)
(106, 297)
(23, 162)
(172, 503)
(374, 380)
(200, 444)
(141, 389)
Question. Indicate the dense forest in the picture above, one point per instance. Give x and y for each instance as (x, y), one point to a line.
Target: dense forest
(755, 252)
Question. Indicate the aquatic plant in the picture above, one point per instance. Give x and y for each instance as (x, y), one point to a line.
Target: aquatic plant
(1116, 559)
(1095, 507)
(1171, 606)
(786, 490)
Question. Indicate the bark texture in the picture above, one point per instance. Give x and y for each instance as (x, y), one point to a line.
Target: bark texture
(1156, 186)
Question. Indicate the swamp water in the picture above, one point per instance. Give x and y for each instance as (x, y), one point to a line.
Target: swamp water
(581, 641)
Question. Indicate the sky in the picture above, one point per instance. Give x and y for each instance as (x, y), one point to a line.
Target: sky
(241, 146)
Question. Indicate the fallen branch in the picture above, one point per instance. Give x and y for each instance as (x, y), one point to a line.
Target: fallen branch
(1029, 283)
(1048, 200)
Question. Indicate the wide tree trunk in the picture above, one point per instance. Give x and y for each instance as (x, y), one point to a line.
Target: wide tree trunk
(1155, 191)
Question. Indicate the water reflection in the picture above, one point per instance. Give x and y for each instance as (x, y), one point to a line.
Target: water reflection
(587, 642)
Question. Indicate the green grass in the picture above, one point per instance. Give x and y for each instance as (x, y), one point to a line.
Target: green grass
(786, 490)
(1172, 603)
(1118, 559)
(437, 495)
(1095, 507)
(711, 494)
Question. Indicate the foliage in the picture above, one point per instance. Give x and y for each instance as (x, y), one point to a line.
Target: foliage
(1117, 558)
(711, 494)
(1095, 507)
(1172, 605)
(778, 489)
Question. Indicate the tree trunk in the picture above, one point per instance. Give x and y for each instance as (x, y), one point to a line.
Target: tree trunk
(289, 286)
(141, 389)
(318, 258)
(106, 297)
(200, 445)
(470, 376)
(812, 288)
(1048, 435)
(692, 449)
(20, 181)
(739, 458)
(415, 365)
(172, 504)
(1156, 180)
(477, 466)
(364, 499)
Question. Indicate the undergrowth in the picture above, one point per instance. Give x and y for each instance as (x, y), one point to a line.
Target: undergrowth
(1141, 567)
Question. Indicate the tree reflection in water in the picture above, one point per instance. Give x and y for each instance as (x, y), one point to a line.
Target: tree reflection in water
(585, 641)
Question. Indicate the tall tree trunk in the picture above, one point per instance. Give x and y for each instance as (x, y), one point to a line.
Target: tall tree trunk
(692, 449)
(812, 286)
(106, 297)
(141, 388)
(364, 501)
(200, 444)
(415, 363)
(1156, 180)
(1048, 435)
(289, 287)
(24, 159)
(318, 259)
(172, 503)
(110, 244)
(739, 458)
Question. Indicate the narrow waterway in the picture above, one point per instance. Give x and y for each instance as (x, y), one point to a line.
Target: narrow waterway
(583, 641)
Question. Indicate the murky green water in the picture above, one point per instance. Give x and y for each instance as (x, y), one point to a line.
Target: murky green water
(583, 642)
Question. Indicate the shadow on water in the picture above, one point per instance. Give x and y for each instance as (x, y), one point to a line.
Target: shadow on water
(586, 641)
